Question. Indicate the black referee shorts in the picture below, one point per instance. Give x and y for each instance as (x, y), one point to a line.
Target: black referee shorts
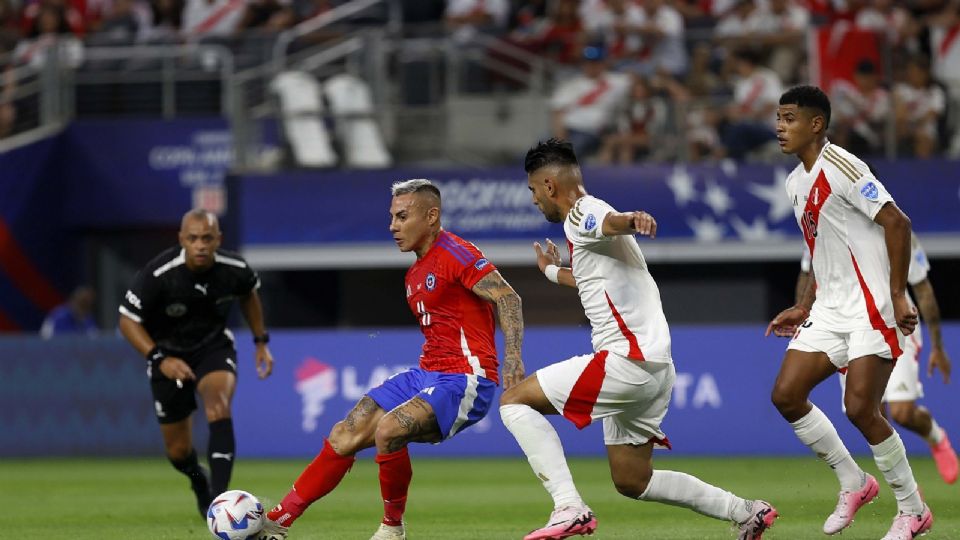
(172, 404)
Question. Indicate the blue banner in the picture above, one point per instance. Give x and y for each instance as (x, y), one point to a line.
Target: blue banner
(704, 203)
(74, 396)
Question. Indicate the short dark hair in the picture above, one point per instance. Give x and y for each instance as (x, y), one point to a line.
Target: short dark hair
(552, 152)
(807, 96)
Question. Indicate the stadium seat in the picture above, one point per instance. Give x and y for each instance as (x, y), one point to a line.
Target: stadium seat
(357, 131)
(302, 113)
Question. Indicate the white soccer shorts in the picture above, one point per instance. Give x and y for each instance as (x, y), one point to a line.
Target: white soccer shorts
(904, 384)
(841, 347)
(629, 395)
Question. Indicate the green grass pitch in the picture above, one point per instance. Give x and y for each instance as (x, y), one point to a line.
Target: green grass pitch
(457, 499)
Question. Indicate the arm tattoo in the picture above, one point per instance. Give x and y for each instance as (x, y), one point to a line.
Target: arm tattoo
(493, 288)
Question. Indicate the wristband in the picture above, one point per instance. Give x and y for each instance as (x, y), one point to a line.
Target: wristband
(155, 357)
(552, 272)
(265, 338)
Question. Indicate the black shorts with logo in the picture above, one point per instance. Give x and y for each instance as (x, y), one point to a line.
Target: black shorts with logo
(172, 403)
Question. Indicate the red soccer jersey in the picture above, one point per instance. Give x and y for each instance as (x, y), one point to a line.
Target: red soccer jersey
(457, 324)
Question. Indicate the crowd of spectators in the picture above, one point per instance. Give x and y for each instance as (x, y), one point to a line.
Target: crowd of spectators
(645, 77)
(634, 79)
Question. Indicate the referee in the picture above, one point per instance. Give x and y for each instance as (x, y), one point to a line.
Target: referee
(175, 315)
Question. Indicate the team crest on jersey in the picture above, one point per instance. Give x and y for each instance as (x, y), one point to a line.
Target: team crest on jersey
(480, 264)
(431, 281)
(870, 191)
(590, 222)
(176, 310)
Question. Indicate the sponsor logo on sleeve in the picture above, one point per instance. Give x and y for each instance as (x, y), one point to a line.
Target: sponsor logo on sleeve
(134, 300)
(590, 222)
(431, 281)
(480, 264)
(870, 191)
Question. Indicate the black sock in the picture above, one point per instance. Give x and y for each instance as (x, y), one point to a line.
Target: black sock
(220, 454)
(198, 480)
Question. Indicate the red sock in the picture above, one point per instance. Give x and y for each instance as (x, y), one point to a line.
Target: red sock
(319, 478)
(395, 475)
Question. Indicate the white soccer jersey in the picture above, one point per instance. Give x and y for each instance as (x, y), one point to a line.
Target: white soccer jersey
(617, 291)
(835, 203)
(917, 272)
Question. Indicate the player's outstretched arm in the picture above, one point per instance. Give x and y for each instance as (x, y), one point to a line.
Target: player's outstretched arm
(638, 222)
(551, 264)
(896, 232)
(253, 312)
(494, 289)
(930, 311)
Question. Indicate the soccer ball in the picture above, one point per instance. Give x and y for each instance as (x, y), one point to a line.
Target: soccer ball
(235, 515)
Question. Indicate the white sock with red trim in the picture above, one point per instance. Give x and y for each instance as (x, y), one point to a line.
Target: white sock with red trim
(540, 442)
(817, 432)
(891, 458)
(682, 489)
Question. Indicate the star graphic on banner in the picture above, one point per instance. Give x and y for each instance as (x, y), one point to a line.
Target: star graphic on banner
(717, 198)
(706, 229)
(775, 196)
(681, 184)
(758, 230)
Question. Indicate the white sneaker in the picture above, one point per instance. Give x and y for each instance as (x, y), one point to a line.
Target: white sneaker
(272, 531)
(388, 532)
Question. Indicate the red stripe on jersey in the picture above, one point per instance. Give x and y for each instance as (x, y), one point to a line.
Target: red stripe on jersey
(948, 39)
(635, 352)
(916, 345)
(876, 320)
(583, 395)
(810, 220)
(592, 96)
(570, 248)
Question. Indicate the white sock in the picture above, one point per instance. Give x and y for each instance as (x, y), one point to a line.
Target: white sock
(936, 434)
(816, 431)
(681, 489)
(891, 458)
(540, 442)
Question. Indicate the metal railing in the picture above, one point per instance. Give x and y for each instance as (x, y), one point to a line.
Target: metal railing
(328, 18)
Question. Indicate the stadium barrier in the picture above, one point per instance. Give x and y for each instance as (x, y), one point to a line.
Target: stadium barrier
(77, 396)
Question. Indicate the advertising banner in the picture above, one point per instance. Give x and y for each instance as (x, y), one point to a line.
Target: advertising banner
(79, 396)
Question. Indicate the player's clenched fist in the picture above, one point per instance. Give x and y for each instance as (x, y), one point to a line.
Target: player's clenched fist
(644, 223)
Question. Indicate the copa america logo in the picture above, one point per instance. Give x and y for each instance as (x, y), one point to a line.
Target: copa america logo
(316, 383)
(431, 281)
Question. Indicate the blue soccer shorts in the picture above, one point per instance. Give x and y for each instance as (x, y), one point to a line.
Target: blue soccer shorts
(459, 400)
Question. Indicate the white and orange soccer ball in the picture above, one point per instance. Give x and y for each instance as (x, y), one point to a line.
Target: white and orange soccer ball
(235, 515)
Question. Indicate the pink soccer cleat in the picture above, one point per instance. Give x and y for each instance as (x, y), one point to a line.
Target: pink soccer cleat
(910, 526)
(762, 519)
(945, 458)
(566, 522)
(849, 503)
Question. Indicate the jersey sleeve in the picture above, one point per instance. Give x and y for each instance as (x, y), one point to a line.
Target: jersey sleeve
(584, 223)
(141, 295)
(249, 281)
(919, 264)
(866, 194)
(478, 266)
